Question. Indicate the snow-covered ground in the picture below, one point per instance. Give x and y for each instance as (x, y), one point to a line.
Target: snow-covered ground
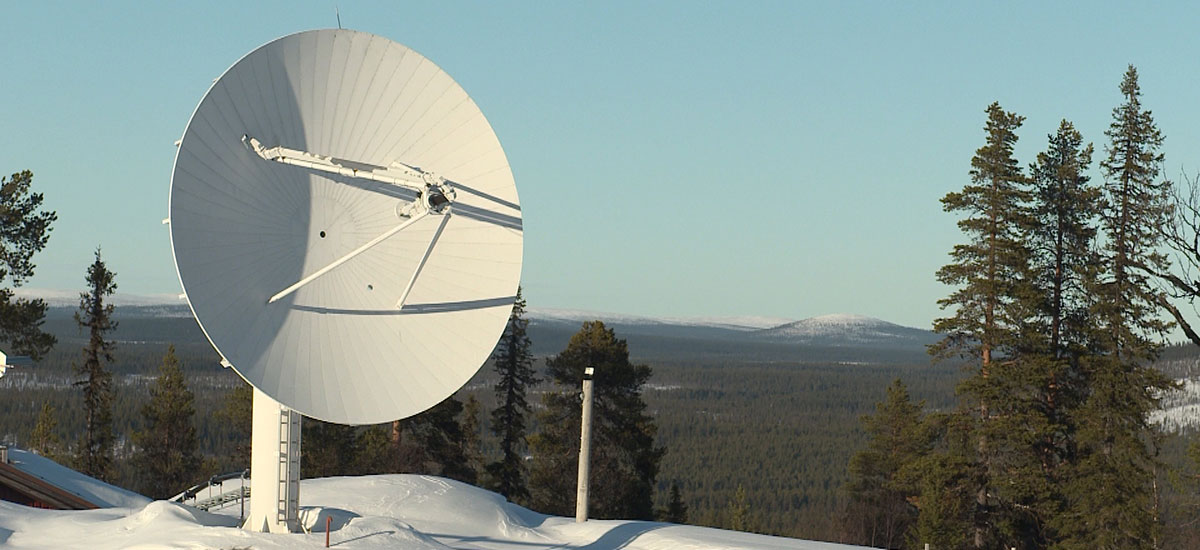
(387, 511)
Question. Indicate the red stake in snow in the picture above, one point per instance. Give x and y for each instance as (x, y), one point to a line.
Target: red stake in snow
(328, 520)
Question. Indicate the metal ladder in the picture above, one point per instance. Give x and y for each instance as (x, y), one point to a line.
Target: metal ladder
(289, 463)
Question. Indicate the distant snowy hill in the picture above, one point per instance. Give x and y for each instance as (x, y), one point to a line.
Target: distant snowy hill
(846, 330)
(841, 338)
(742, 323)
(387, 511)
(836, 329)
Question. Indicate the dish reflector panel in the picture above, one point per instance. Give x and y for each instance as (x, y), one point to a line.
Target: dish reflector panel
(383, 138)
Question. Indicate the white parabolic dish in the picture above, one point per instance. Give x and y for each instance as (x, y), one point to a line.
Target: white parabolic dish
(245, 227)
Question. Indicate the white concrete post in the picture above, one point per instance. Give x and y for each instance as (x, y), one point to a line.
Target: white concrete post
(585, 444)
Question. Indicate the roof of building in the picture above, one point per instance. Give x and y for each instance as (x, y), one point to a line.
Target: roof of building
(60, 486)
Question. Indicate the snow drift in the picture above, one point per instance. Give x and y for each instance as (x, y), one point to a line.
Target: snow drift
(385, 511)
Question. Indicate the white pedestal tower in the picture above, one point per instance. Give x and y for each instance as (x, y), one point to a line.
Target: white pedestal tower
(274, 468)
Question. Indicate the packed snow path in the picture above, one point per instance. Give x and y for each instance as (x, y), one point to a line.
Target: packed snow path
(389, 511)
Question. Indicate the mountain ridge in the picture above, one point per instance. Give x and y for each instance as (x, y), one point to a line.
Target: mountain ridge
(832, 337)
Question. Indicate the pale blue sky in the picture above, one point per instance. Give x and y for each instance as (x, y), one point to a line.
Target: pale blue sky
(683, 159)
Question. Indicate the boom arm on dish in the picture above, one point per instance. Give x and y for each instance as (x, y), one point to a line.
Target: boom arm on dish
(434, 196)
(400, 174)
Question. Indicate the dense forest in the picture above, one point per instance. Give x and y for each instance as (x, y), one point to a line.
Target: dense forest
(784, 432)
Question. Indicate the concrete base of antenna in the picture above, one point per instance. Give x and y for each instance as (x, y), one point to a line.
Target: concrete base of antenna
(274, 468)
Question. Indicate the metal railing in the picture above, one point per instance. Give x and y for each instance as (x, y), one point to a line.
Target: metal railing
(222, 497)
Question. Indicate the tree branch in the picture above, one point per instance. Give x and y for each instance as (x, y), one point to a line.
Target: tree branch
(1183, 324)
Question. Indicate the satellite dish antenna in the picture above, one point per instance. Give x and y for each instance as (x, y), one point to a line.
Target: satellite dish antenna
(347, 233)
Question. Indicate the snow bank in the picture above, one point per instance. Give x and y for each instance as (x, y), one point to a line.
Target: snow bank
(461, 516)
(391, 511)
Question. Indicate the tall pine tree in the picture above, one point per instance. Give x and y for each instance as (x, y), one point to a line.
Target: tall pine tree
(94, 455)
(624, 461)
(1137, 208)
(1065, 209)
(1111, 500)
(991, 303)
(1042, 383)
(24, 231)
(167, 458)
(513, 361)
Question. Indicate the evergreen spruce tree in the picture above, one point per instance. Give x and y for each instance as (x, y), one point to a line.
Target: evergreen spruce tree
(43, 439)
(992, 306)
(739, 510)
(1111, 500)
(237, 412)
(513, 361)
(470, 440)
(433, 443)
(1137, 208)
(946, 490)
(376, 453)
(444, 440)
(168, 458)
(677, 510)
(881, 509)
(94, 455)
(329, 449)
(624, 461)
(24, 231)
